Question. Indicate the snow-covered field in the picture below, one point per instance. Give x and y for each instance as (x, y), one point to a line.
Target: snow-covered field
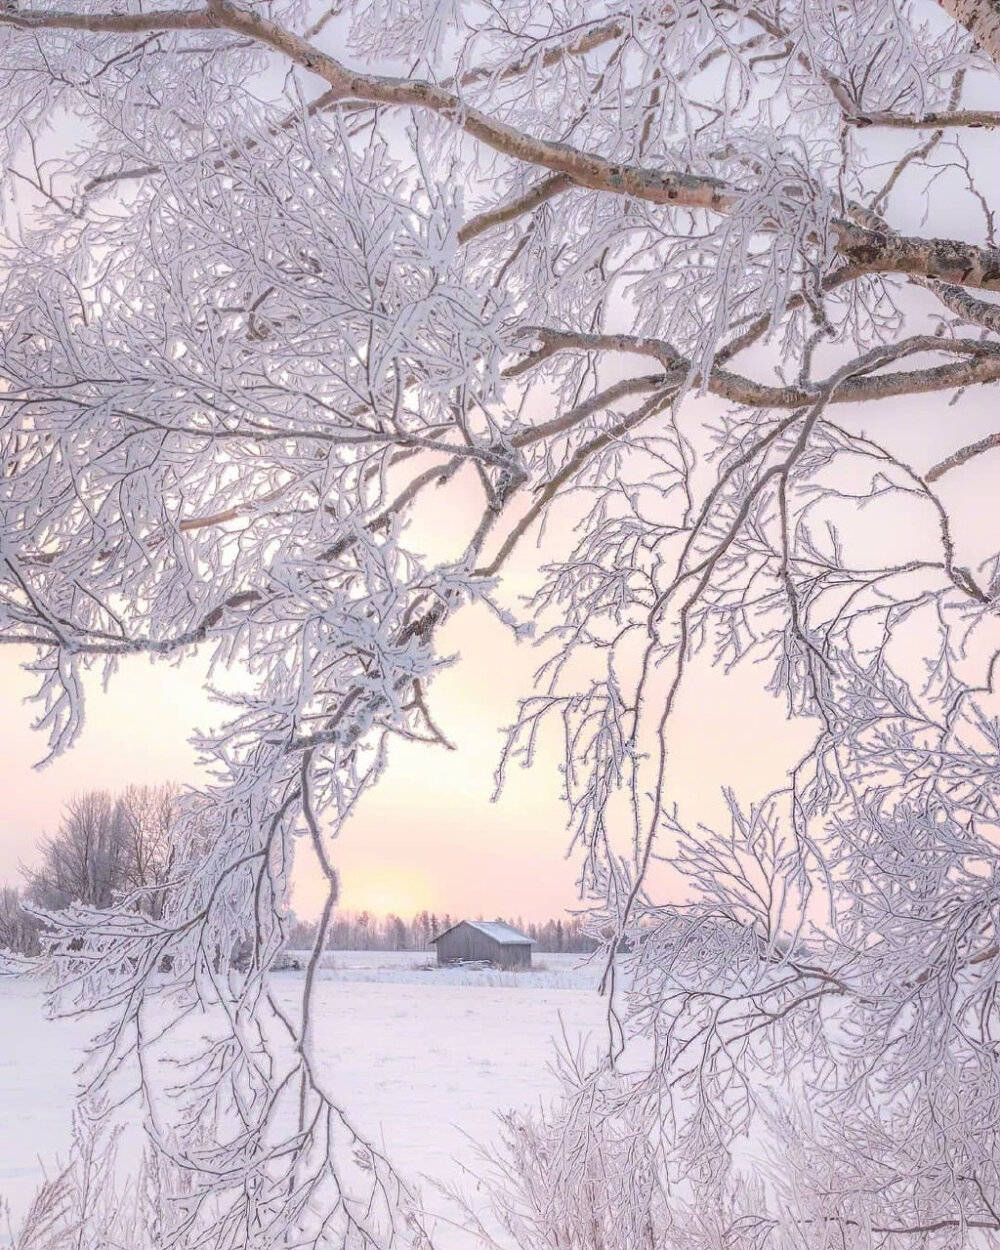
(423, 1058)
(551, 972)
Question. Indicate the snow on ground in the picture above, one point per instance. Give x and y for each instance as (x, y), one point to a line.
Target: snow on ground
(37, 1084)
(422, 1058)
(553, 972)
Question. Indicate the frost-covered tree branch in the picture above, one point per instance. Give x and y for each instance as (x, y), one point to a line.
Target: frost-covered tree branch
(949, 260)
(274, 278)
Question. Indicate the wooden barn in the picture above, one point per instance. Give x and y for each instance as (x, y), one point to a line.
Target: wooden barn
(485, 941)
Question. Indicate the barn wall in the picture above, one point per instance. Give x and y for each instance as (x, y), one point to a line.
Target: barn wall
(518, 956)
(466, 943)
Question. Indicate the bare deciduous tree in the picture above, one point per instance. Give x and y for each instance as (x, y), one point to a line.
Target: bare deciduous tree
(108, 846)
(640, 266)
(19, 929)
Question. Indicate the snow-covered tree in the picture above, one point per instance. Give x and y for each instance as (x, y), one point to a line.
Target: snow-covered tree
(106, 846)
(274, 275)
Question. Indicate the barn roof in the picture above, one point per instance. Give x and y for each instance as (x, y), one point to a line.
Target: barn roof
(504, 934)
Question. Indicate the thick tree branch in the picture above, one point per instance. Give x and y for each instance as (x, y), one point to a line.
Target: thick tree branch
(110, 23)
(972, 119)
(579, 46)
(539, 193)
(962, 304)
(981, 18)
(990, 443)
(871, 251)
(981, 366)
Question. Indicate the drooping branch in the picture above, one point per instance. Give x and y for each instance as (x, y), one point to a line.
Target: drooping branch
(592, 447)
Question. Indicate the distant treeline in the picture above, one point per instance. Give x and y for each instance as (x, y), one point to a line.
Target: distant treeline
(110, 845)
(363, 931)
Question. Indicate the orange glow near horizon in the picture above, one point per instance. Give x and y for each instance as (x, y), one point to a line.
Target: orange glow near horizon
(380, 888)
